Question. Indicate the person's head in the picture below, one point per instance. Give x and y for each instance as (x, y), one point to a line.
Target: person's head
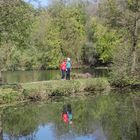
(69, 108)
(68, 59)
(64, 109)
(65, 60)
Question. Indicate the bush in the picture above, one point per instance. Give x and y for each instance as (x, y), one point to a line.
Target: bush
(120, 75)
(43, 90)
(9, 95)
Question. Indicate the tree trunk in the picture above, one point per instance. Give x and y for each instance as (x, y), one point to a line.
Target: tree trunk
(133, 66)
(134, 40)
(0, 77)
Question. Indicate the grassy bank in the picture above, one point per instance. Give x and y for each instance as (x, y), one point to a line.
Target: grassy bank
(45, 89)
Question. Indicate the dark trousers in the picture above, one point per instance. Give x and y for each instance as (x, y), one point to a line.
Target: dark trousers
(68, 74)
(63, 74)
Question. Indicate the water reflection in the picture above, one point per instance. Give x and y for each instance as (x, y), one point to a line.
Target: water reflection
(110, 117)
(67, 114)
(31, 76)
(1, 125)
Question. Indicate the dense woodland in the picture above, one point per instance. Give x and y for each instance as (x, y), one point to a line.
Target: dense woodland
(90, 32)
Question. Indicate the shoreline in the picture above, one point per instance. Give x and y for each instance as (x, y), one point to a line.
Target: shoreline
(44, 90)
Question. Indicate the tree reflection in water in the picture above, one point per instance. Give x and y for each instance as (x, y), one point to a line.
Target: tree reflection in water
(110, 117)
(1, 124)
(20, 122)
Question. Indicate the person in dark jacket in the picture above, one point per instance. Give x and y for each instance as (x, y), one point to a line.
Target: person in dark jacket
(69, 112)
(68, 69)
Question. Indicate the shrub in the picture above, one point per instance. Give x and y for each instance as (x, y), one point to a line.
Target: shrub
(44, 89)
(8, 95)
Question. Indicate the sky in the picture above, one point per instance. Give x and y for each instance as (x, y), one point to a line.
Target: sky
(38, 3)
(44, 3)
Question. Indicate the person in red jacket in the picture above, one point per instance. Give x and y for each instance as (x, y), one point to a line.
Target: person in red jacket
(65, 115)
(63, 69)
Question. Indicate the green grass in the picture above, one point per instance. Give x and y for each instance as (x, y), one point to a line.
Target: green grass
(44, 89)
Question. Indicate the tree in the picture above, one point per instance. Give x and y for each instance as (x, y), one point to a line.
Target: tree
(70, 19)
(124, 16)
(4, 56)
(1, 125)
(16, 20)
(101, 43)
(46, 41)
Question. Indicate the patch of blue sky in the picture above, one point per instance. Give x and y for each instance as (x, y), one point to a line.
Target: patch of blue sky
(44, 3)
(38, 3)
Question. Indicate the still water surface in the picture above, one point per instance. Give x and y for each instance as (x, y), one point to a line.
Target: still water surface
(32, 76)
(106, 117)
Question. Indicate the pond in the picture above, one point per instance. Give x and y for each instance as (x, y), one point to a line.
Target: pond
(104, 117)
(32, 76)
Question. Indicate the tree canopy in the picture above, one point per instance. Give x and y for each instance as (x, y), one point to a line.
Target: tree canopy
(89, 32)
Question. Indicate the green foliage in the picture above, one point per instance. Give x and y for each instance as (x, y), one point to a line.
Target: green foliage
(72, 31)
(101, 43)
(113, 114)
(43, 90)
(123, 17)
(41, 38)
(27, 122)
(120, 74)
(108, 109)
(66, 88)
(47, 43)
(5, 50)
(16, 20)
(8, 95)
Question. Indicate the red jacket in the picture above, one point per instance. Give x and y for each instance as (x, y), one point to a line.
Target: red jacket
(65, 117)
(63, 66)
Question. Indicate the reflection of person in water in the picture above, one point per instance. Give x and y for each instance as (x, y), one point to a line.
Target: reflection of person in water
(67, 114)
(64, 114)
